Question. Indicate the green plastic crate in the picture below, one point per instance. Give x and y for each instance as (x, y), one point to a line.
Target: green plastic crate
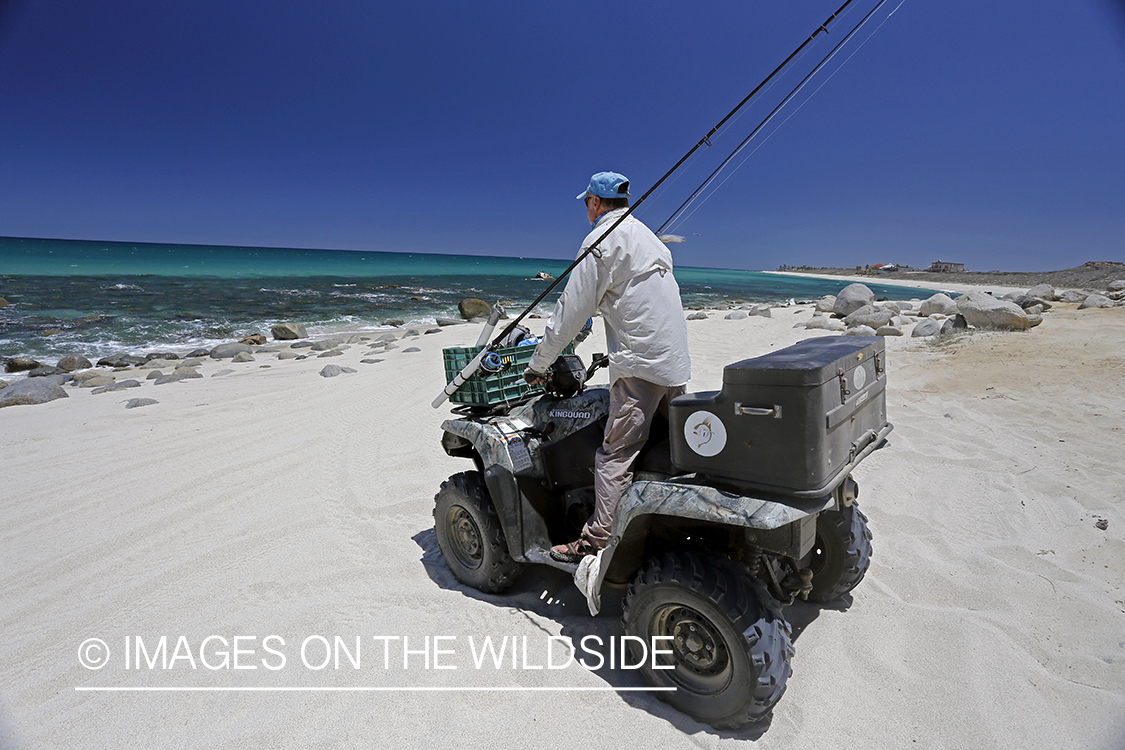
(482, 389)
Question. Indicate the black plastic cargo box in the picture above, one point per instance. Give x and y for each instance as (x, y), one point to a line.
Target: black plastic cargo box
(794, 421)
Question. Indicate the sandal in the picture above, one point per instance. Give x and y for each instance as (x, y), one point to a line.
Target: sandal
(573, 552)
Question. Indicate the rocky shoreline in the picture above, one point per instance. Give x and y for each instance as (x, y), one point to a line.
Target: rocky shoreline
(855, 312)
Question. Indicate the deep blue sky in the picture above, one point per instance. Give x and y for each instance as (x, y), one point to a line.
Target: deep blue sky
(990, 133)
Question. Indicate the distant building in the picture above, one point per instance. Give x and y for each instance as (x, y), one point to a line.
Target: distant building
(942, 266)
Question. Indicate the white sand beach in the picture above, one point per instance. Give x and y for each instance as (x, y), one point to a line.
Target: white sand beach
(271, 501)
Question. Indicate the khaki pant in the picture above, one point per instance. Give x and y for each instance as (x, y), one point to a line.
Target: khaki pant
(632, 403)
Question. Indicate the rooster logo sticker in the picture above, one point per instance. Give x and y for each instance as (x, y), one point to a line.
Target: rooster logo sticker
(705, 434)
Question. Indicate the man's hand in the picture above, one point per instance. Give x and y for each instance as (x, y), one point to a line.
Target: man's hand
(534, 378)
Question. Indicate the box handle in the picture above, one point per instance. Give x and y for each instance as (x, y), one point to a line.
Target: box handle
(750, 411)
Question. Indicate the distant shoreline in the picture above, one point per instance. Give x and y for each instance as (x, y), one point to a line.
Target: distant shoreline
(1091, 275)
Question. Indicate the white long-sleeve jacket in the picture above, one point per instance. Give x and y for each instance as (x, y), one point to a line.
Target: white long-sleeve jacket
(628, 278)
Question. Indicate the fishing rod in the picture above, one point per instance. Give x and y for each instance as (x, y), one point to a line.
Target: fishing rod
(770, 116)
(472, 366)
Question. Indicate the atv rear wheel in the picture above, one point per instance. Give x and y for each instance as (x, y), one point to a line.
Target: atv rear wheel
(841, 553)
(470, 536)
(729, 643)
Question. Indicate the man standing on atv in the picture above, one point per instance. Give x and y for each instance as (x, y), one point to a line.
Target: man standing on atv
(628, 279)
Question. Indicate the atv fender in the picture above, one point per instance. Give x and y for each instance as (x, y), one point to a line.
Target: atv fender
(644, 501)
(486, 439)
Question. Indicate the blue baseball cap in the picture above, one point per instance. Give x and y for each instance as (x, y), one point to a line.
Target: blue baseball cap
(607, 185)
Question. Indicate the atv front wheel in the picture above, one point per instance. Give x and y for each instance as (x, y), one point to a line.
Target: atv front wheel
(729, 643)
(470, 536)
(841, 553)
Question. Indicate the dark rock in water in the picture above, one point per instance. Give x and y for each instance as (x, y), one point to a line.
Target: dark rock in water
(450, 322)
(396, 322)
(411, 349)
(121, 360)
(199, 353)
(4, 302)
(117, 386)
(222, 351)
(473, 307)
(433, 330)
(301, 345)
(254, 339)
(331, 371)
(160, 355)
(44, 371)
(289, 331)
(72, 362)
(28, 392)
(22, 364)
(133, 403)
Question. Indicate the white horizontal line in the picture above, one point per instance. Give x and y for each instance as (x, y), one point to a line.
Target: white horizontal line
(222, 689)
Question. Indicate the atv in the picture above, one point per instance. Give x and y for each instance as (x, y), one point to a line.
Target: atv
(742, 502)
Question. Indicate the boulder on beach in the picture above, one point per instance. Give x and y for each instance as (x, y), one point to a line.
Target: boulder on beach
(395, 322)
(1070, 295)
(29, 392)
(22, 364)
(118, 386)
(939, 304)
(1116, 286)
(222, 351)
(851, 298)
(254, 339)
(1042, 291)
(288, 332)
(762, 311)
(888, 331)
(449, 322)
(870, 317)
(697, 316)
(97, 381)
(860, 331)
(1096, 300)
(331, 371)
(982, 310)
(243, 357)
(133, 403)
(736, 315)
(926, 327)
(1026, 301)
(472, 307)
(72, 362)
(168, 356)
(827, 303)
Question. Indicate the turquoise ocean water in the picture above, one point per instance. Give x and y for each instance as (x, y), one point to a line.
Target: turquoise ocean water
(99, 298)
